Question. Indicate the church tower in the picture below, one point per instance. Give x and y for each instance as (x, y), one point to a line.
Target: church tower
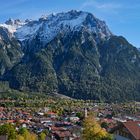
(86, 113)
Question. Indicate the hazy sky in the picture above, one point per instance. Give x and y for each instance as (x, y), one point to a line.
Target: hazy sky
(122, 16)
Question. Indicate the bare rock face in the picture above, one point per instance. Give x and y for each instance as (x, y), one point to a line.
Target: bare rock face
(10, 51)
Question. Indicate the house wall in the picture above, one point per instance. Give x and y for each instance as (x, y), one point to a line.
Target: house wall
(118, 137)
(3, 137)
(122, 133)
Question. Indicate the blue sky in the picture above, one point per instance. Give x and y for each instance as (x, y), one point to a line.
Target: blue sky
(122, 16)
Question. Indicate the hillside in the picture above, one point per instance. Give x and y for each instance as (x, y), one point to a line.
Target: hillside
(72, 53)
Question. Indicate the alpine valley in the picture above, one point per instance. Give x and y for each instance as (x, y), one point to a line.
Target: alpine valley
(72, 53)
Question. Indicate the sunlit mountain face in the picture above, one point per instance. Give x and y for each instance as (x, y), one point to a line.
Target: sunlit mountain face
(72, 53)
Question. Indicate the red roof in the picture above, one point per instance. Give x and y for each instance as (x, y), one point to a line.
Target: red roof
(63, 134)
(10, 121)
(53, 128)
(134, 128)
(51, 113)
(23, 121)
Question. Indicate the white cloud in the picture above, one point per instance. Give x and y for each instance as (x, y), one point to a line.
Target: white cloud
(100, 5)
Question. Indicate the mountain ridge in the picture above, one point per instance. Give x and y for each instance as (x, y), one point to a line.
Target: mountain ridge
(75, 54)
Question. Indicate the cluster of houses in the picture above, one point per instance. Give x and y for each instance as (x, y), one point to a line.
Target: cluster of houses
(12, 115)
(68, 126)
(62, 127)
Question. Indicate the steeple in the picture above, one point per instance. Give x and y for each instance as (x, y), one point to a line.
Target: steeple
(86, 113)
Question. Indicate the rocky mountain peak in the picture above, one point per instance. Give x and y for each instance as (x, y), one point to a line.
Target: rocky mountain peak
(13, 22)
(10, 21)
(73, 53)
(48, 27)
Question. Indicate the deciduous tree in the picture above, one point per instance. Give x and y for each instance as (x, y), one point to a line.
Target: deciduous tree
(93, 131)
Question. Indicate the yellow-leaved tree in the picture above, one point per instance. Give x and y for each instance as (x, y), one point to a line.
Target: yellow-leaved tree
(19, 137)
(24, 134)
(93, 131)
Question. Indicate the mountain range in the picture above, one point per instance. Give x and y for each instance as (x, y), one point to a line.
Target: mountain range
(71, 53)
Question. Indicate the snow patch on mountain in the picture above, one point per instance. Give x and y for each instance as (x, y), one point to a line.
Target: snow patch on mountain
(12, 28)
(47, 27)
(57, 24)
(27, 31)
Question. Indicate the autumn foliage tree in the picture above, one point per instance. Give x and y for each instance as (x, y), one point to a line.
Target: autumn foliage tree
(93, 131)
(19, 137)
(42, 136)
(13, 134)
(24, 134)
(9, 130)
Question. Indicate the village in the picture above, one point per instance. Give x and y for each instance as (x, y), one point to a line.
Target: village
(121, 120)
